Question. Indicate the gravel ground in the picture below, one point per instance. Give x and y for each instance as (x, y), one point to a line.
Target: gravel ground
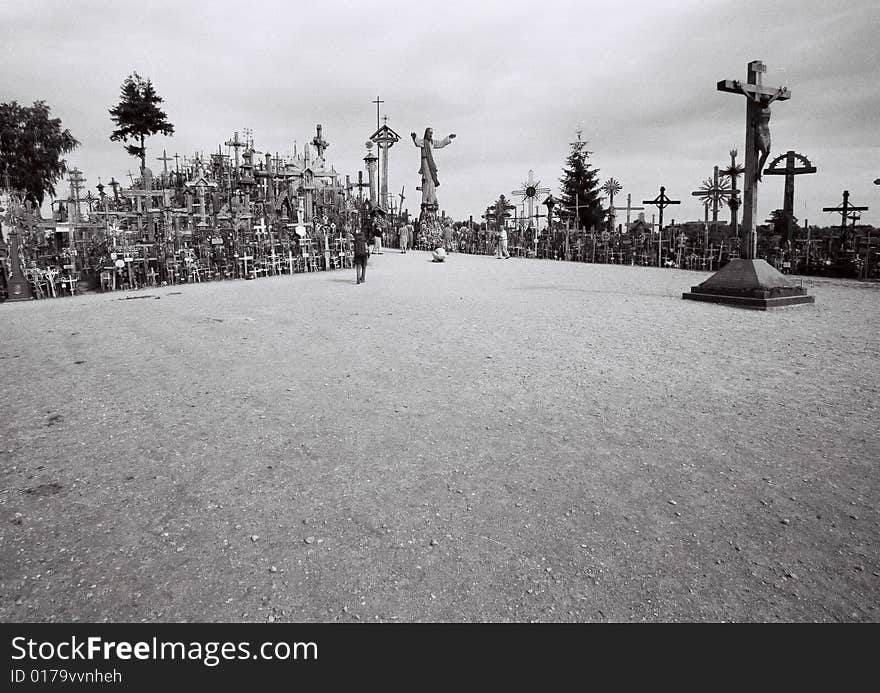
(477, 440)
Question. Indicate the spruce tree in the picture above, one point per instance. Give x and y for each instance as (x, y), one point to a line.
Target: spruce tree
(580, 188)
(138, 115)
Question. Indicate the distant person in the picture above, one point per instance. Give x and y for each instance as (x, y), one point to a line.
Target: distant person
(501, 251)
(448, 233)
(377, 237)
(404, 235)
(360, 256)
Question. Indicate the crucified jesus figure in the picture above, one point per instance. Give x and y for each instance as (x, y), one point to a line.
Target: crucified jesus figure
(762, 123)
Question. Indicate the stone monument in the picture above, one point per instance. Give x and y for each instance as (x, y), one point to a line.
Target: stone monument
(428, 222)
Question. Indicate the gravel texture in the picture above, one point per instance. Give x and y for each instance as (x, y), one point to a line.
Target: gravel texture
(473, 440)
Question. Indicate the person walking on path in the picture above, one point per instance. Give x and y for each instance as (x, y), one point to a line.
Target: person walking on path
(404, 235)
(360, 256)
(377, 237)
(501, 251)
(448, 233)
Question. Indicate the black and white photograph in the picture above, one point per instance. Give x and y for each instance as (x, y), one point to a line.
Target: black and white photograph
(439, 313)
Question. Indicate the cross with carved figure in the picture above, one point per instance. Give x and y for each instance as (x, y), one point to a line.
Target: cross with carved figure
(758, 100)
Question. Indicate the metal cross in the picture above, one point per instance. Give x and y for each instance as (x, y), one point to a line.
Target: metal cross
(661, 202)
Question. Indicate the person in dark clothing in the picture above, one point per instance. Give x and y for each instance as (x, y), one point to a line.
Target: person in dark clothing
(360, 256)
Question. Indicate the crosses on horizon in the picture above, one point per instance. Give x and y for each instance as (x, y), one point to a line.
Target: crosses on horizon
(845, 209)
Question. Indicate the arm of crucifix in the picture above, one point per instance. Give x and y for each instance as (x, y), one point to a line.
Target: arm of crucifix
(739, 85)
(418, 141)
(779, 92)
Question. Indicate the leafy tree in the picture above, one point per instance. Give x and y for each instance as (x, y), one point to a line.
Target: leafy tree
(779, 227)
(137, 115)
(580, 188)
(31, 149)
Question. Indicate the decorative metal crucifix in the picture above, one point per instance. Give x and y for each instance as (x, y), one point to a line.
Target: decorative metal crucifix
(790, 170)
(712, 193)
(733, 172)
(661, 202)
(758, 100)
(611, 188)
(529, 192)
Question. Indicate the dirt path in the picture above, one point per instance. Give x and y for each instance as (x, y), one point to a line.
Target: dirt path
(474, 440)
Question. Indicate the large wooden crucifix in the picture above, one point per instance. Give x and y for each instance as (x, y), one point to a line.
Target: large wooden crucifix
(845, 210)
(758, 100)
(790, 170)
(661, 202)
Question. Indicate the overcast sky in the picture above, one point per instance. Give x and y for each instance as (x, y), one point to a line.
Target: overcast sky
(514, 80)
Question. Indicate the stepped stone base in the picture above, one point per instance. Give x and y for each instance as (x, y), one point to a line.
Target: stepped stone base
(749, 284)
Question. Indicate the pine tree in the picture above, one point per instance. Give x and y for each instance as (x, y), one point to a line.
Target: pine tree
(138, 115)
(580, 188)
(31, 147)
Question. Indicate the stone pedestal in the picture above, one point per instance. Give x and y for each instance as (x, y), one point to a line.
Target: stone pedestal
(749, 284)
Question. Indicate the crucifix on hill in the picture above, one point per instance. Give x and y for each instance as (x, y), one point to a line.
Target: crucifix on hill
(629, 209)
(164, 159)
(661, 202)
(236, 144)
(319, 143)
(790, 170)
(733, 172)
(758, 100)
(845, 210)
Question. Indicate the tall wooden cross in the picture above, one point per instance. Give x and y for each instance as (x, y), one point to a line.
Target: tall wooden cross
(758, 99)
(402, 198)
(661, 202)
(845, 210)
(790, 170)
(319, 142)
(629, 209)
(236, 144)
(377, 101)
(164, 159)
(360, 185)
